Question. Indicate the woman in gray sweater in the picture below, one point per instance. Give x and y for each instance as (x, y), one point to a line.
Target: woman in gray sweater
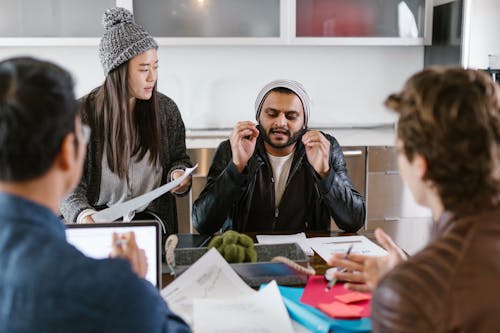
(138, 136)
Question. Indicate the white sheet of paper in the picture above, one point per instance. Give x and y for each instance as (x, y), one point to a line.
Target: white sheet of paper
(258, 313)
(209, 277)
(299, 238)
(123, 209)
(327, 246)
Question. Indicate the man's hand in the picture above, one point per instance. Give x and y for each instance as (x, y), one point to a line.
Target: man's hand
(365, 272)
(124, 246)
(184, 185)
(243, 138)
(317, 151)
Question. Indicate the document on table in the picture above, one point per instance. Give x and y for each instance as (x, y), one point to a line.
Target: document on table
(123, 209)
(260, 312)
(209, 277)
(327, 246)
(299, 238)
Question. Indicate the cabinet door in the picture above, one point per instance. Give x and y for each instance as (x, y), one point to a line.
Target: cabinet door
(210, 18)
(388, 198)
(52, 18)
(362, 21)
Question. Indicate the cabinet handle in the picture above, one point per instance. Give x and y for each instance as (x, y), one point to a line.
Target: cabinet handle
(353, 153)
(392, 218)
(392, 172)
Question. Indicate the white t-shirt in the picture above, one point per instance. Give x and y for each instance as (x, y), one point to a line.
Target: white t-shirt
(281, 169)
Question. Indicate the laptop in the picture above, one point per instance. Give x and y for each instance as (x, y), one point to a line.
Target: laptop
(94, 240)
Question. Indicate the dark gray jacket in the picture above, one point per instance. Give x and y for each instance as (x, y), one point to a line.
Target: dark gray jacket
(86, 195)
(245, 202)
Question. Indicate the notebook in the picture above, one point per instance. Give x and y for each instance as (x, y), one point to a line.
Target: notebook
(94, 240)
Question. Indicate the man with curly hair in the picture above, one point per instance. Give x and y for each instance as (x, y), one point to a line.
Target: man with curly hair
(448, 142)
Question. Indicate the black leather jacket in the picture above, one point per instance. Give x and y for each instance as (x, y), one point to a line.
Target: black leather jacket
(245, 201)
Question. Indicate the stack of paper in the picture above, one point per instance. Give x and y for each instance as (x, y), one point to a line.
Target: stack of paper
(211, 297)
(328, 246)
(260, 312)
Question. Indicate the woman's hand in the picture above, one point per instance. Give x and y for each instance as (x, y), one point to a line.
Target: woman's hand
(88, 219)
(364, 272)
(184, 185)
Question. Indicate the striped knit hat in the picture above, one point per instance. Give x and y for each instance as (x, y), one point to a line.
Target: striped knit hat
(294, 86)
(123, 39)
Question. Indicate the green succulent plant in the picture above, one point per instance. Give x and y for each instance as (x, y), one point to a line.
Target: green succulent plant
(234, 247)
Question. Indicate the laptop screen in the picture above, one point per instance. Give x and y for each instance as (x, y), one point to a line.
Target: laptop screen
(94, 240)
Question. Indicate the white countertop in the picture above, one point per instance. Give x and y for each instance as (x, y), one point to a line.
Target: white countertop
(379, 136)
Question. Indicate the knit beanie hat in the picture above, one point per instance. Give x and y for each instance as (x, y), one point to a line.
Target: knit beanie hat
(294, 86)
(123, 39)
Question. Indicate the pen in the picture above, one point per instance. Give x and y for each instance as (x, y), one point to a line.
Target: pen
(332, 282)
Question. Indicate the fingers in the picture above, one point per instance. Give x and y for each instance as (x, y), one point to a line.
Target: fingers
(315, 138)
(387, 243)
(124, 246)
(359, 258)
(88, 220)
(183, 186)
(384, 239)
(348, 264)
(244, 129)
(142, 264)
(357, 287)
(356, 277)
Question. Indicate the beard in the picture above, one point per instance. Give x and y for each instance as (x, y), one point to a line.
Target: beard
(292, 139)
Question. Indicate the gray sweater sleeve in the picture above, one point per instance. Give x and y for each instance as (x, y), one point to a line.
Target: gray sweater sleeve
(77, 201)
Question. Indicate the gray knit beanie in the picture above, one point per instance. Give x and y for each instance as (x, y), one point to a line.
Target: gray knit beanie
(123, 39)
(294, 86)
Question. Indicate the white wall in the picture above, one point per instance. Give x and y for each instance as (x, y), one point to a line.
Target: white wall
(484, 32)
(216, 86)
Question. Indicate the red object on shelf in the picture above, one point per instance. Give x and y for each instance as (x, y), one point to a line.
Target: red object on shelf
(335, 18)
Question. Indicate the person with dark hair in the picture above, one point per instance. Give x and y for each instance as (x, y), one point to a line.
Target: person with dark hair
(46, 284)
(138, 136)
(278, 175)
(448, 141)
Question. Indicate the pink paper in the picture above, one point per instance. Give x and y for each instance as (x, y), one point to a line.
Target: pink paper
(353, 297)
(341, 310)
(315, 294)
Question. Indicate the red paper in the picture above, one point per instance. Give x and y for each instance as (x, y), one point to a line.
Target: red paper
(353, 297)
(315, 294)
(341, 310)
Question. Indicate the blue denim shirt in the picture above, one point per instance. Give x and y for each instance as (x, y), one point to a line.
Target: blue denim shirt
(48, 286)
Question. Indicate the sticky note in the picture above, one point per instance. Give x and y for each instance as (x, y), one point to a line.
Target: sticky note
(341, 310)
(353, 297)
(315, 294)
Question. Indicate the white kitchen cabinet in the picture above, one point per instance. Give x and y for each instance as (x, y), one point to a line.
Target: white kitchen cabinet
(361, 22)
(223, 22)
(48, 22)
(208, 20)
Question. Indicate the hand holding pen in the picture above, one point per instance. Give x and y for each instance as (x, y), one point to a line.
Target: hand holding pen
(333, 280)
(124, 246)
(364, 272)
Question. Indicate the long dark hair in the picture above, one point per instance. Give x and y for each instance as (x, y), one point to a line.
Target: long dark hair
(123, 133)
